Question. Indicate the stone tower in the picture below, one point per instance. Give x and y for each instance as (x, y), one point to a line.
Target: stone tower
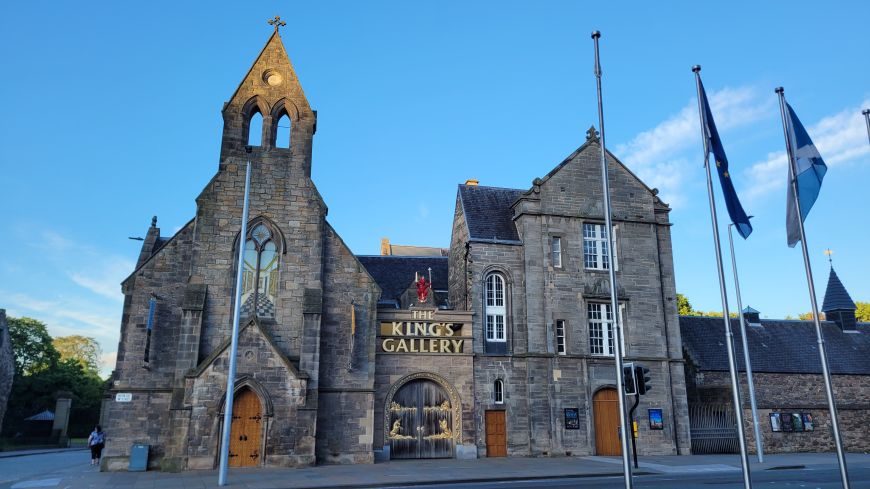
(301, 291)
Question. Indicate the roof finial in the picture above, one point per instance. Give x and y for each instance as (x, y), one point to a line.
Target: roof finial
(154, 222)
(591, 134)
(828, 253)
(277, 22)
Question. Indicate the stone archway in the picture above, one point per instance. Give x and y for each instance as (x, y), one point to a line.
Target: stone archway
(428, 402)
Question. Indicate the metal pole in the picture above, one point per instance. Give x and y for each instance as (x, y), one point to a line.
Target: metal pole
(835, 425)
(729, 335)
(755, 424)
(614, 304)
(234, 348)
(866, 113)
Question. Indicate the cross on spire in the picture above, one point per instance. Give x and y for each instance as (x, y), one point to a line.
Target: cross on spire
(277, 22)
(828, 253)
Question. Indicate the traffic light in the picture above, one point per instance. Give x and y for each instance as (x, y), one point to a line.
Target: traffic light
(642, 379)
(628, 381)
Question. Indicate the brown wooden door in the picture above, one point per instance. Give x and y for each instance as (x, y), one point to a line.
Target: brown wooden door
(245, 430)
(605, 405)
(496, 434)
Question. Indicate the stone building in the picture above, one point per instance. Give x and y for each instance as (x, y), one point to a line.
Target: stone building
(532, 266)
(502, 347)
(787, 374)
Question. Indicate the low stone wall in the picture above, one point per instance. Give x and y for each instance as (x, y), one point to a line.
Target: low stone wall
(796, 393)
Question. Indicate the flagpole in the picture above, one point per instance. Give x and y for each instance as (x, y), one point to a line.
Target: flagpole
(829, 392)
(866, 113)
(729, 335)
(758, 449)
(234, 348)
(624, 425)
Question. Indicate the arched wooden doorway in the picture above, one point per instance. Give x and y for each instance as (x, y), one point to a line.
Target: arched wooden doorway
(245, 429)
(421, 421)
(605, 406)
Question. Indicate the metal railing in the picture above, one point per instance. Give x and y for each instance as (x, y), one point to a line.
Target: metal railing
(714, 428)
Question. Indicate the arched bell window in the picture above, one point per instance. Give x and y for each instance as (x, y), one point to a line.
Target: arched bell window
(260, 275)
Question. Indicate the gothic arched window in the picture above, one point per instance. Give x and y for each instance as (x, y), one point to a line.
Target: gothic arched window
(260, 276)
(255, 129)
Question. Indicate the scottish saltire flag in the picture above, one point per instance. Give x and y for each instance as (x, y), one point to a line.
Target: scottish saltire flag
(810, 172)
(714, 145)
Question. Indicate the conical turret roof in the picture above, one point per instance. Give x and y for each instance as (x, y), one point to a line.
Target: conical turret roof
(836, 297)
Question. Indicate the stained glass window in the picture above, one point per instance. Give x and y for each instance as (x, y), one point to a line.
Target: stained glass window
(260, 274)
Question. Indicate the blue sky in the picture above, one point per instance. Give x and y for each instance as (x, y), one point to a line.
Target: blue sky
(112, 115)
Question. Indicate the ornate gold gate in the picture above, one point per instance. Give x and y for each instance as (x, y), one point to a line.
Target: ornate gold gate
(421, 421)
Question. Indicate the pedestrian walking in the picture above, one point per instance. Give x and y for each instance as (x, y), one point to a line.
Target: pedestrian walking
(96, 441)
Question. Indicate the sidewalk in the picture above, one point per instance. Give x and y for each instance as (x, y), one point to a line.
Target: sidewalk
(446, 471)
(38, 451)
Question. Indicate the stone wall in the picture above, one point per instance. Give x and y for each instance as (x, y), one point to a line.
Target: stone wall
(347, 360)
(7, 365)
(800, 393)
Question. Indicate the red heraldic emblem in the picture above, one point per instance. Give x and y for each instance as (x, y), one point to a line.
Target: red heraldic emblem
(423, 287)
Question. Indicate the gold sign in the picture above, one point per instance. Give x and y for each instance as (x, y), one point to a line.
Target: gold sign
(421, 335)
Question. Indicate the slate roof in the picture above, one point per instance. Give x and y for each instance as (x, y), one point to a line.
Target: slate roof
(836, 296)
(777, 346)
(394, 274)
(488, 212)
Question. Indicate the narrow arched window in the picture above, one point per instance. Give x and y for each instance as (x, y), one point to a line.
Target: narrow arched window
(255, 129)
(282, 132)
(496, 312)
(498, 391)
(260, 274)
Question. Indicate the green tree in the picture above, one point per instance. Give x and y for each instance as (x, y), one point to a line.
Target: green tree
(31, 346)
(84, 350)
(863, 312)
(808, 316)
(684, 307)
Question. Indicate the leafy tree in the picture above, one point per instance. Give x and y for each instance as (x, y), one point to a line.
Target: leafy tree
(808, 316)
(84, 350)
(863, 312)
(684, 307)
(31, 346)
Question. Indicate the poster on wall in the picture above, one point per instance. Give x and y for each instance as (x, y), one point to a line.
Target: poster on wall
(572, 419)
(797, 421)
(655, 419)
(808, 421)
(775, 426)
(785, 421)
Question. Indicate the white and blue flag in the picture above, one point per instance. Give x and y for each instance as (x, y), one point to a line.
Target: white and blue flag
(810, 172)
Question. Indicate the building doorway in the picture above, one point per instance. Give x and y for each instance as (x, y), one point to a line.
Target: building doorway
(421, 419)
(496, 434)
(605, 406)
(245, 430)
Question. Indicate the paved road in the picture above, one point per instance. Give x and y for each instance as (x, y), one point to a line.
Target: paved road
(791, 479)
(43, 467)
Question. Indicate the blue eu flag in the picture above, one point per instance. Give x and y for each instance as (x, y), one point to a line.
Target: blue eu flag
(811, 170)
(714, 145)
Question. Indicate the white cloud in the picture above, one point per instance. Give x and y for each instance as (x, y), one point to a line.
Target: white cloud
(840, 139)
(105, 277)
(659, 155)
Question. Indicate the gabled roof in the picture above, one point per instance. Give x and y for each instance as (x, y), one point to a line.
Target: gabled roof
(488, 213)
(778, 346)
(394, 274)
(836, 297)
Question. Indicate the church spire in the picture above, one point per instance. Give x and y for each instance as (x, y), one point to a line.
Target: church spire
(268, 110)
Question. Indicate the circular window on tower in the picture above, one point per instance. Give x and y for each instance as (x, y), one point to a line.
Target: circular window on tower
(272, 78)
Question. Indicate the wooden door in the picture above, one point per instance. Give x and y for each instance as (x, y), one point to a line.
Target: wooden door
(605, 406)
(421, 422)
(496, 434)
(245, 430)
